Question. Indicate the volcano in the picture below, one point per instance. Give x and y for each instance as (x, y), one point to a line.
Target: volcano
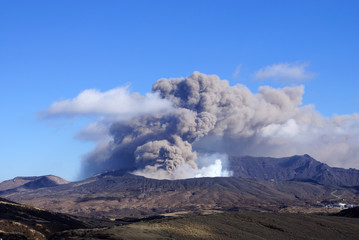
(259, 184)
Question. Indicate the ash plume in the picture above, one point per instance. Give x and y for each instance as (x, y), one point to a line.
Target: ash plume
(209, 119)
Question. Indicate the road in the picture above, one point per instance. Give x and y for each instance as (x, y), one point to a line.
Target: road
(337, 197)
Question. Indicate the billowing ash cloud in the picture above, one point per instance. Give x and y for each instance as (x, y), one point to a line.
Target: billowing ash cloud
(209, 119)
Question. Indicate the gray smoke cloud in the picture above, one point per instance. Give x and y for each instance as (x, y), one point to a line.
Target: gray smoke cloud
(209, 119)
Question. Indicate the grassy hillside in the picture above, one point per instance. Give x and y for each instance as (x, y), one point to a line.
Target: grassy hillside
(246, 225)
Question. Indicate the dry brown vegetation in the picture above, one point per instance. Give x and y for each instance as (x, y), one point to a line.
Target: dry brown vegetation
(241, 225)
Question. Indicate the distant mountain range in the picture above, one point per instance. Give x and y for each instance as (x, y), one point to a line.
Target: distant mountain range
(293, 168)
(32, 182)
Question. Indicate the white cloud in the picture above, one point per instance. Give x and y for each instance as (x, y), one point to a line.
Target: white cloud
(237, 71)
(117, 102)
(284, 71)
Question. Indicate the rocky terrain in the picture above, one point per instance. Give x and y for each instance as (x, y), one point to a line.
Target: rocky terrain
(114, 195)
(293, 184)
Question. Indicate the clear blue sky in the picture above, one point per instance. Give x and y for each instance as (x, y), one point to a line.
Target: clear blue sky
(53, 50)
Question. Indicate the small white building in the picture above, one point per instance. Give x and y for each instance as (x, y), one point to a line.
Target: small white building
(343, 206)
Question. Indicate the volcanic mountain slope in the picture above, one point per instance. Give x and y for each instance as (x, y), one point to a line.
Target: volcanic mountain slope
(295, 167)
(115, 195)
(24, 222)
(32, 182)
(296, 183)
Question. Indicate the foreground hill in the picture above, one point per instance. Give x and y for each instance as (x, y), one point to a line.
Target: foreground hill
(295, 167)
(114, 195)
(243, 225)
(25, 222)
(32, 182)
(351, 212)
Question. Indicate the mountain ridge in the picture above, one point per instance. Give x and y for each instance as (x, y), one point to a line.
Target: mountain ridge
(33, 182)
(114, 195)
(300, 184)
(290, 168)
